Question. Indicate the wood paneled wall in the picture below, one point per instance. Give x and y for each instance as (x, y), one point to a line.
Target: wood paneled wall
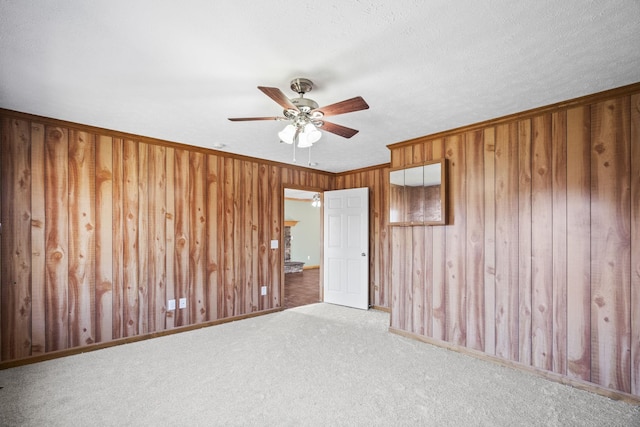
(377, 180)
(100, 229)
(540, 261)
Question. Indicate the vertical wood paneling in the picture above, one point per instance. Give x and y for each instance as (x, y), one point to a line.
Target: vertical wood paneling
(439, 323)
(157, 238)
(118, 239)
(264, 235)
(16, 244)
(541, 245)
(506, 169)
(489, 241)
(397, 279)
(143, 239)
(170, 232)
(181, 233)
(474, 256)
(197, 227)
(579, 243)
(81, 238)
(255, 243)
(38, 242)
(635, 244)
(103, 238)
(212, 273)
(455, 235)
(610, 247)
(56, 230)
(130, 301)
(559, 241)
(237, 234)
(228, 240)
(524, 218)
(275, 255)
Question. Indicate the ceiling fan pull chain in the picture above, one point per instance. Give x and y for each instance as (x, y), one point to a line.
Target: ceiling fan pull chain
(309, 156)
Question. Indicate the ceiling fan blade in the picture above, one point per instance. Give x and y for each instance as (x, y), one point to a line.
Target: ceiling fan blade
(247, 119)
(347, 106)
(277, 95)
(338, 129)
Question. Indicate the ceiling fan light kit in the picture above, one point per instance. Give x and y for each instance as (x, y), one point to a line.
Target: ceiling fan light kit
(305, 117)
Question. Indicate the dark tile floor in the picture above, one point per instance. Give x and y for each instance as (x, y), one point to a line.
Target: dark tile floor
(302, 288)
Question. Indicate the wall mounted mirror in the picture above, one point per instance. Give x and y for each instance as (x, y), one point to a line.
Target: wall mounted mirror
(417, 194)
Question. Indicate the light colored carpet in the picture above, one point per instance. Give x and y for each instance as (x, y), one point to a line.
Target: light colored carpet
(315, 365)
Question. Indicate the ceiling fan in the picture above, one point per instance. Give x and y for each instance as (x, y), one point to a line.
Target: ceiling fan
(305, 116)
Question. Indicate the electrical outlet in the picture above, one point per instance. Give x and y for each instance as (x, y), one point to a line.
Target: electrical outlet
(171, 305)
(263, 290)
(183, 303)
(274, 244)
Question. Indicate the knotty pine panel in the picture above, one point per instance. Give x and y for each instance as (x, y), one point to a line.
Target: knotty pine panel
(81, 238)
(578, 199)
(559, 241)
(38, 242)
(103, 238)
(157, 280)
(474, 256)
(101, 230)
(16, 239)
(524, 241)
(57, 237)
(541, 291)
(143, 239)
(545, 226)
(610, 245)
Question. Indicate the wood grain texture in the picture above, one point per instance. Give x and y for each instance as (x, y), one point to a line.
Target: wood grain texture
(455, 242)
(489, 253)
(57, 233)
(541, 244)
(143, 239)
(264, 235)
(131, 304)
(103, 238)
(181, 234)
(81, 238)
(475, 227)
(212, 268)
(507, 292)
(439, 322)
(38, 242)
(610, 246)
(559, 241)
(157, 279)
(579, 243)
(197, 229)
(524, 239)
(170, 233)
(276, 257)
(118, 240)
(635, 244)
(16, 244)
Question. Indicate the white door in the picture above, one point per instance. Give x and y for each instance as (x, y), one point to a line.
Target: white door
(346, 247)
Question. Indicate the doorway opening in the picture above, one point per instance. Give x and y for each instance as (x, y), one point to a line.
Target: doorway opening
(302, 247)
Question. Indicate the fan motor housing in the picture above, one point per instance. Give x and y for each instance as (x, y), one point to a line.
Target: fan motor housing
(305, 104)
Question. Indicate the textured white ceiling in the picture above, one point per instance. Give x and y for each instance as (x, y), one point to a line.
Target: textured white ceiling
(177, 70)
